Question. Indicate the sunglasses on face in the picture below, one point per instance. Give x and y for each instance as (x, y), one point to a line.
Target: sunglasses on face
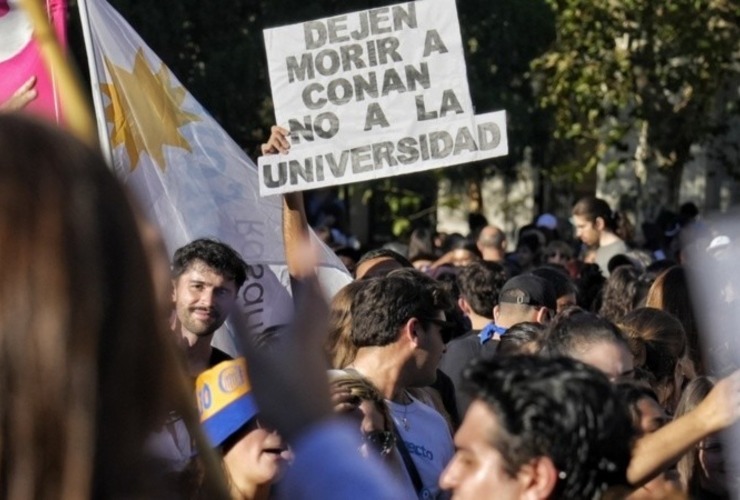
(446, 328)
(380, 441)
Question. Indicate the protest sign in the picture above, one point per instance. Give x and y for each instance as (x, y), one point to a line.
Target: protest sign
(373, 94)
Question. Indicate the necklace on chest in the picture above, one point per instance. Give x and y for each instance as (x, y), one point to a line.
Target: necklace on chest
(407, 402)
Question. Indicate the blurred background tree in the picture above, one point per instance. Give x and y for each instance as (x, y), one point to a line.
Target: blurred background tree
(639, 82)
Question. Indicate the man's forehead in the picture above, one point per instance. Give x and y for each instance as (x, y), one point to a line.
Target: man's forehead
(200, 270)
(479, 425)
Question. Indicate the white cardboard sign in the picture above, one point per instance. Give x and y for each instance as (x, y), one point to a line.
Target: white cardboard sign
(372, 94)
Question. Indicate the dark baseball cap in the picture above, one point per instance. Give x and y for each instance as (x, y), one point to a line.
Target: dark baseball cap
(530, 290)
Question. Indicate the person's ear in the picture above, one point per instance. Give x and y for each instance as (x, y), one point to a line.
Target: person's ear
(174, 291)
(599, 224)
(538, 478)
(496, 313)
(411, 331)
(464, 306)
(544, 315)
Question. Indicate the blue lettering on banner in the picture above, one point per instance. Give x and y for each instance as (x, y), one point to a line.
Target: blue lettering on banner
(419, 451)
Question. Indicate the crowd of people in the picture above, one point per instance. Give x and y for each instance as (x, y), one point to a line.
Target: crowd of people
(564, 369)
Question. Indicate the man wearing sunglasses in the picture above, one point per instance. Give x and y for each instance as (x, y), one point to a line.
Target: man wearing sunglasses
(398, 325)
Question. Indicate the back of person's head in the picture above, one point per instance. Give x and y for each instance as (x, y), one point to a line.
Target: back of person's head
(476, 222)
(620, 293)
(338, 345)
(578, 334)
(349, 257)
(522, 338)
(379, 262)
(215, 254)
(421, 242)
(86, 371)
(529, 248)
(451, 241)
(524, 296)
(558, 251)
(658, 343)
(560, 281)
(480, 284)
(560, 409)
(383, 305)
(688, 211)
(639, 258)
(590, 285)
(637, 397)
(689, 466)
(670, 293)
(491, 237)
(532, 239)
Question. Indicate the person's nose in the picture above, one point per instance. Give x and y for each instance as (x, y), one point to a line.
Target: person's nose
(206, 298)
(448, 478)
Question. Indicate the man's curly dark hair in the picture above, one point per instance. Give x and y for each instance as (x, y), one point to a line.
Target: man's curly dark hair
(561, 409)
(215, 254)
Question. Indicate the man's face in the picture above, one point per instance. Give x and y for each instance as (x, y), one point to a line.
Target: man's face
(477, 469)
(203, 299)
(566, 301)
(586, 230)
(431, 347)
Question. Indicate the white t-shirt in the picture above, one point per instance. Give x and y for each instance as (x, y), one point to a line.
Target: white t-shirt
(428, 440)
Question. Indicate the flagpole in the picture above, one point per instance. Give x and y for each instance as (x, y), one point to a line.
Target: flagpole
(92, 64)
(54, 84)
(75, 106)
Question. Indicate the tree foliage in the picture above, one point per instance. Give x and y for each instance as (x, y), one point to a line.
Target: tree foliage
(653, 67)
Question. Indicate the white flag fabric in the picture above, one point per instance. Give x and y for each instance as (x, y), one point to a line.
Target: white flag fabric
(191, 178)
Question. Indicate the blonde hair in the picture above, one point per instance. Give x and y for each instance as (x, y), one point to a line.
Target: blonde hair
(339, 347)
(359, 386)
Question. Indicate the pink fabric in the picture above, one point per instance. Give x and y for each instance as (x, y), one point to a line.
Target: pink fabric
(16, 70)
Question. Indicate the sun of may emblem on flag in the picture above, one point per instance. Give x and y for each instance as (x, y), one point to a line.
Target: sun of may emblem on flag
(145, 110)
